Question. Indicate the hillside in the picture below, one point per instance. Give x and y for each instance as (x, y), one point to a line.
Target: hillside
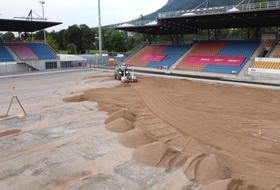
(175, 5)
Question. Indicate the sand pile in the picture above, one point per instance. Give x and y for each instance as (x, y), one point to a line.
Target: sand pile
(79, 98)
(123, 113)
(206, 169)
(160, 155)
(191, 165)
(135, 138)
(120, 125)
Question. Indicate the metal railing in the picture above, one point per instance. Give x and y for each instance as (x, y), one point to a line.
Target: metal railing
(262, 77)
(134, 23)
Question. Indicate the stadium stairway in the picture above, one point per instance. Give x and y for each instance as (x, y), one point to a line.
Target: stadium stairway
(17, 59)
(273, 53)
(234, 48)
(150, 49)
(251, 60)
(181, 58)
(173, 52)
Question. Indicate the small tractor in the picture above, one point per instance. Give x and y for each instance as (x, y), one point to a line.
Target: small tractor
(121, 73)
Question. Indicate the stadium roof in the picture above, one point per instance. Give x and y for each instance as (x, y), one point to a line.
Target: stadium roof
(13, 25)
(191, 21)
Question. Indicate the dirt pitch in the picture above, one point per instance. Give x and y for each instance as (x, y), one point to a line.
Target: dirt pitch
(217, 136)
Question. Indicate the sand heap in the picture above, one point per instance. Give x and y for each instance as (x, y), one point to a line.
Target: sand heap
(160, 155)
(120, 125)
(135, 138)
(123, 113)
(206, 169)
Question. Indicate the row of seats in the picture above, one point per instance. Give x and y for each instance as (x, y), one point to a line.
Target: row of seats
(266, 65)
(269, 43)
(25, 51)
(206, 48)
(22, 51)
(220, 48)
(40, 50)
(173, 54)
(277, 54)
(5, 54)
(244, 49)
(150, 49)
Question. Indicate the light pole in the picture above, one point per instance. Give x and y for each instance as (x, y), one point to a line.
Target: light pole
(100, 35)
(43, 2)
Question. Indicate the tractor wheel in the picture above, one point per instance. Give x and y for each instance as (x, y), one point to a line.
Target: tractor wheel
(119, 77)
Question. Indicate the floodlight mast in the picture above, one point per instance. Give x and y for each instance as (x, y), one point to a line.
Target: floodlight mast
(100, 35)
(43, 2)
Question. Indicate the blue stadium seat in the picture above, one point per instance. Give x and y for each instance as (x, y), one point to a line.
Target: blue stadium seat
(40, 50)
(233, 48)
(5, 54)
(174, 52)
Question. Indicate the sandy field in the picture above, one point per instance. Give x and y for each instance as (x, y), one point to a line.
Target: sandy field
(85, 130)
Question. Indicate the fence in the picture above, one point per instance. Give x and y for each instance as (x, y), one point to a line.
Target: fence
(89, 61)
(262, 77)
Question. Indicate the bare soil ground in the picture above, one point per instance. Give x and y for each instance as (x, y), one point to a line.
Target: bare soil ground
(218, 136)
(61, 145)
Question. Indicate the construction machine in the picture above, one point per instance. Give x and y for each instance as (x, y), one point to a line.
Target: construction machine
(121, 73)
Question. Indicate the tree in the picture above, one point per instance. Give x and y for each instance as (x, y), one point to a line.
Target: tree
(87, 38)
(25, 36)
(71, 48)
(39, 35)
(9, 37)
(117, 42)
(59, 39)
(52, 42)
(106, 41)
(73, 35)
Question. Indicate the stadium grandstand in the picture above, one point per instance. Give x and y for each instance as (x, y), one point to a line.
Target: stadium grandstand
(212, 56)
(22, 56)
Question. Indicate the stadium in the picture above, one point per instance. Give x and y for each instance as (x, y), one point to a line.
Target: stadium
(203, 115)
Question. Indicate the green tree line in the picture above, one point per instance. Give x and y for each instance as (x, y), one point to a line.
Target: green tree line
(80, 39)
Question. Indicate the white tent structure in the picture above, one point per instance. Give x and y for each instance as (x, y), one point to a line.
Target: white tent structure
(67, 57)
(67, 60)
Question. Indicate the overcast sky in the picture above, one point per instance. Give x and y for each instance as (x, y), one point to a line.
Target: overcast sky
(81, 11)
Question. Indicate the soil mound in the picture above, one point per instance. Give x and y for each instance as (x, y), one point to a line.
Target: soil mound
(206, 169)
(213, 168)
(134, 138)
(191, 166)
(123, 113)
(79, 98)
(120, 125)
(160, 155)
